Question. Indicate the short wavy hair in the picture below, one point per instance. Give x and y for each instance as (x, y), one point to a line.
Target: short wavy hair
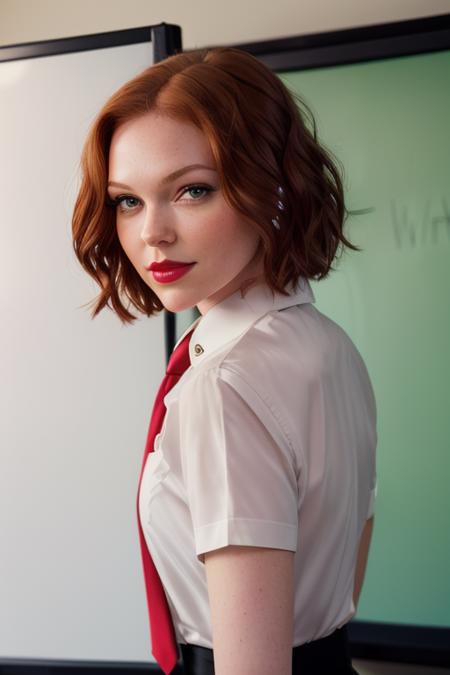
(260, 139)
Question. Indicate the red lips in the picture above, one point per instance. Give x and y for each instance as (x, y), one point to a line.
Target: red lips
(167, 265)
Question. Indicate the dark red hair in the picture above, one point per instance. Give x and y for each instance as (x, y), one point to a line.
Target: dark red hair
(260, 139)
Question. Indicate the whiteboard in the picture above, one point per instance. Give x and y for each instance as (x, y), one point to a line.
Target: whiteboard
(76, 393)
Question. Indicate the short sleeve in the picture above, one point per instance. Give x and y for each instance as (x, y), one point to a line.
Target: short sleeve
(238, 468)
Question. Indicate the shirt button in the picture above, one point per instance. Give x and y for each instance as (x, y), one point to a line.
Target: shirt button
(198, 349)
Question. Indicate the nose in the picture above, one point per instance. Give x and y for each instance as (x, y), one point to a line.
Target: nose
(156, 229)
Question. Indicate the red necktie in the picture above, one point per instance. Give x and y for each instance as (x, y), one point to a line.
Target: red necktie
(162, 632)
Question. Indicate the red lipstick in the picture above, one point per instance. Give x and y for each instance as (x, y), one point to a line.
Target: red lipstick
(166, 264)
(169, 270)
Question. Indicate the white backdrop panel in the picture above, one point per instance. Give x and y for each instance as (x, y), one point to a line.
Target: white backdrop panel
(76, 394)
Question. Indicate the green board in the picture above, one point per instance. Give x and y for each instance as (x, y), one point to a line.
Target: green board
(388, 122)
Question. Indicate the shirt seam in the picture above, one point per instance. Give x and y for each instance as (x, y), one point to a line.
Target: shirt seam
(255, 520)
(275, 415)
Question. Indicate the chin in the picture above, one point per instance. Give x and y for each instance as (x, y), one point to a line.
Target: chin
(176, 304)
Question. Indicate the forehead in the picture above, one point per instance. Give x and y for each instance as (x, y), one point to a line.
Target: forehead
(159, 137)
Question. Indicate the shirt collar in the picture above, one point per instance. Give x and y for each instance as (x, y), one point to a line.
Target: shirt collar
(234, 315)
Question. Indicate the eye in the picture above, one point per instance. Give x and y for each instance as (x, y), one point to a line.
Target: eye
(118, 202)
(193, 189)
(126, 203)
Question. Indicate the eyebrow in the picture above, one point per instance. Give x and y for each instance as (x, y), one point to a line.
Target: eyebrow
(168, 179)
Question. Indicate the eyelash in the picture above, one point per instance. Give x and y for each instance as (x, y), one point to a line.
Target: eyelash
(117, 201)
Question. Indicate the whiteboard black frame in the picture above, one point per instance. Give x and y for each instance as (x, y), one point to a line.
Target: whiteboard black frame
(165, 38)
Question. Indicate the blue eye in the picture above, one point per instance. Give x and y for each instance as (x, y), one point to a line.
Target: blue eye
(122, 202)
(191, 188)
(117, 202)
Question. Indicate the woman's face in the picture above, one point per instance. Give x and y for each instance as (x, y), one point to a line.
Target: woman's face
(183, 217)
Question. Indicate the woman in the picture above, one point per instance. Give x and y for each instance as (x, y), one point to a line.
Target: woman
(256, 495)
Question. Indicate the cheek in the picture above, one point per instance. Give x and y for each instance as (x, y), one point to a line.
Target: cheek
(229, 234)
(126, 240)
(128, 246)
(239, 244)
(120, 233)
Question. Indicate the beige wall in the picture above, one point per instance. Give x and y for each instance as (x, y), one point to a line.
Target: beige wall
(206, 23)
(203, 22)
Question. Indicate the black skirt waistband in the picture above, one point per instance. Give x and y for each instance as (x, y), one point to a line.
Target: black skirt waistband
(328, 656)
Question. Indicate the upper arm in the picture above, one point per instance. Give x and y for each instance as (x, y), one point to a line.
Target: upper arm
(251, 596)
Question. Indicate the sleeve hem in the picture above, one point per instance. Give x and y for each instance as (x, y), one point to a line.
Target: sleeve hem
(372, 498)
(245, 532)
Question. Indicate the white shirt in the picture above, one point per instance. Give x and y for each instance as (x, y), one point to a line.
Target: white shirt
(269, 440)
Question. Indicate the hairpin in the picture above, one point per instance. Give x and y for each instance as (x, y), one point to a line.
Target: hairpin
(280, 205)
